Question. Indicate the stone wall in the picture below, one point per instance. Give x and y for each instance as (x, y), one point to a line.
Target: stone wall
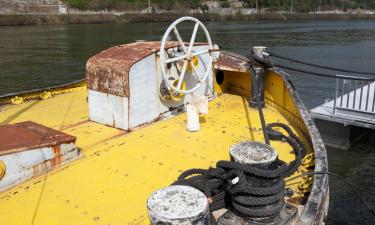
(7, 7)
(30, 6)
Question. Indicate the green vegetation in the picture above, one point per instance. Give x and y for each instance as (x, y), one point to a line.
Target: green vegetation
(271, 5)
(311, 5)
(224, 4)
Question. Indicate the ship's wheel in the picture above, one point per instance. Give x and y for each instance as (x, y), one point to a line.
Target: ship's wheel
(187, 60)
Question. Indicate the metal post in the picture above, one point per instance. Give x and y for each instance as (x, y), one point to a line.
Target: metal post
(355, 94)
(342, 91)
(320, 2)
(336, 95)
(373, 97)
(360, 97)
(258, 80)
(291, 7)
(348, 95)
(368, 95)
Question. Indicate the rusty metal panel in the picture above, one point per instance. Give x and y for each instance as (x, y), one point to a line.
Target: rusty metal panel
(21, 166)
(232, 62)
(30, 135)
(108, 71)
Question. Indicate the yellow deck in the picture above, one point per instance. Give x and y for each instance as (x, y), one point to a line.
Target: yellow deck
(112, 180)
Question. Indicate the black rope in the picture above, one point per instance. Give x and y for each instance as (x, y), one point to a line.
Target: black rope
(251, 190)
(269, 64)
(324, 74)
(320, 66)
(353, 187)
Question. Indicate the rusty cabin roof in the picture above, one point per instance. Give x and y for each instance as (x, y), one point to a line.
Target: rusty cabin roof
(108, 71)
(232, 62)
(30, 135)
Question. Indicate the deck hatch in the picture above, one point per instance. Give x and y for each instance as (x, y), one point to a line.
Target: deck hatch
(28, 149)
(29, 135)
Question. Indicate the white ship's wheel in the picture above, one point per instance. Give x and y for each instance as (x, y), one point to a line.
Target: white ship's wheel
(187, 57)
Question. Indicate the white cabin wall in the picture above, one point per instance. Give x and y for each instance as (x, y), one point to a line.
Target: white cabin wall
(144, 94)
(108, 109)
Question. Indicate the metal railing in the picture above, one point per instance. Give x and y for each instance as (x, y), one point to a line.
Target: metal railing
(355, 94)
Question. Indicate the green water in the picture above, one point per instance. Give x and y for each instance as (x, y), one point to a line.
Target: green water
(41, 56)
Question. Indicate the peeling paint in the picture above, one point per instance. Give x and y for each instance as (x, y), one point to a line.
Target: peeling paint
(108, 71)
(232, 62)
(29, 150)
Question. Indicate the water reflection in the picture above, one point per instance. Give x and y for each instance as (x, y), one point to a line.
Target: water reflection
(40, 56)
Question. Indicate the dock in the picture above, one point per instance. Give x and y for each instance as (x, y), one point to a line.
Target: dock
(352, 106)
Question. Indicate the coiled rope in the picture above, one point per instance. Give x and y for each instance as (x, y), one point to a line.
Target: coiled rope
(252, 190)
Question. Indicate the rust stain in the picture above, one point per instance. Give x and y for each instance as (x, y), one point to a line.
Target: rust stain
(232, 62)
(298, 200)
(57, 159)
(35, 169)
(30, 135)
(44, 167)
(108, 71)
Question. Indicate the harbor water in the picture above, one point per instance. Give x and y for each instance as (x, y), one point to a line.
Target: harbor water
(41, 56)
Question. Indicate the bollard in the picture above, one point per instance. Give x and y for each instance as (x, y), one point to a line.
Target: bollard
(258, 80)
(177, 205)
(261, 156)
(254, 153)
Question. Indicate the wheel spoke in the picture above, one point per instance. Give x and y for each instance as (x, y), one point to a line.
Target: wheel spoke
(178, 58)
(200, 52)
(194, 72)
(192, 40)
(175, 31)
(181, 78)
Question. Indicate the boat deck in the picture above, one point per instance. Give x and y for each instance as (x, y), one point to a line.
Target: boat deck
(118, 170)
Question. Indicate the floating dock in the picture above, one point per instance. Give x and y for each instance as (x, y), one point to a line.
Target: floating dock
(352, 106)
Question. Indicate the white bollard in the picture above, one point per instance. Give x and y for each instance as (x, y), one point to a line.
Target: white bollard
(178, 205)
(192, 118)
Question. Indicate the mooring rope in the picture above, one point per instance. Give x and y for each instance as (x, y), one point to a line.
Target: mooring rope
(252, 190)
(324, 74)
(318, 65)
